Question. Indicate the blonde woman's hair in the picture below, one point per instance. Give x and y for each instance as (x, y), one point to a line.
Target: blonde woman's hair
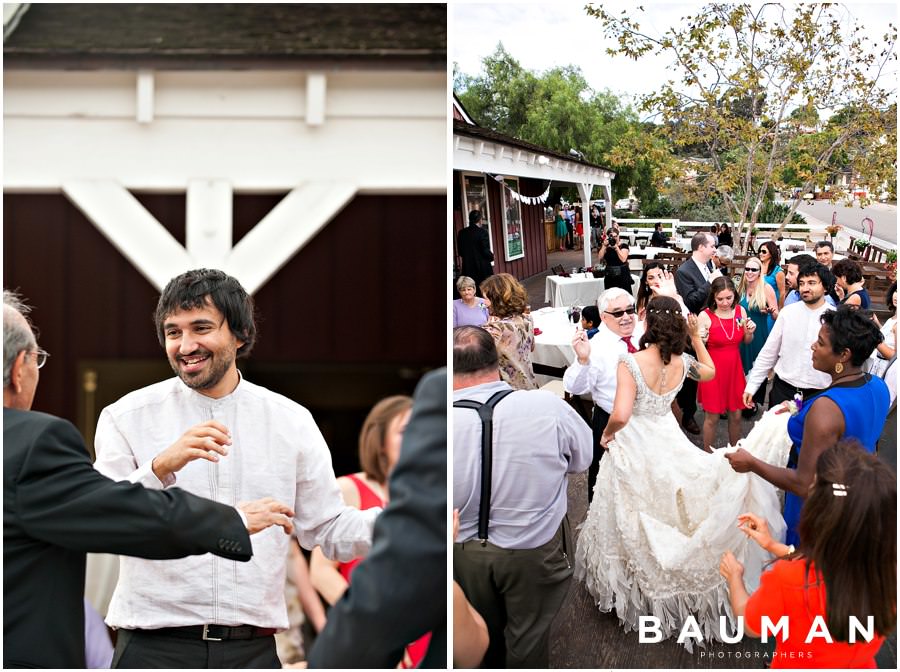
(756, 300)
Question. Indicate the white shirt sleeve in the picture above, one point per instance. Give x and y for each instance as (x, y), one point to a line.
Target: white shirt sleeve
(766, 359)
(577, 378)
(115, 458)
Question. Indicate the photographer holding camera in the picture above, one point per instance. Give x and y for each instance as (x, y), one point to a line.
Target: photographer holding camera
(615, 254)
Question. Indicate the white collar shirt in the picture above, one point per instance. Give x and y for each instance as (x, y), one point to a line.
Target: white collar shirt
(277, 451)
(598, 377)
(538, 439)
(787, 349)
(704, 268)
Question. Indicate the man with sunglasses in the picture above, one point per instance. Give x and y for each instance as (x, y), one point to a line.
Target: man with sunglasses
(597, 360)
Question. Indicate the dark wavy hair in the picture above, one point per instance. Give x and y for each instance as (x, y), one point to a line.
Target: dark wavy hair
(847, 269)
(851, 328)
(851, 539)
(644, 292)
(890, 296)
(774, 255)
(666, 327)
(199, 288)
(720, 284)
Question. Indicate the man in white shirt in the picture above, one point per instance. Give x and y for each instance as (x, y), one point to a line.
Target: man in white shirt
(519, 574)
(787, 349)
(226, 439)
(596, 362)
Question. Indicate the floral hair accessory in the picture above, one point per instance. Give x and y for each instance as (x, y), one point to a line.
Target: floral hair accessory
(839, 489)
(657, 311)
(795, 405)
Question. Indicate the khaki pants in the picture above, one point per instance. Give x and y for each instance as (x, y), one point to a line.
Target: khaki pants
(518, 593)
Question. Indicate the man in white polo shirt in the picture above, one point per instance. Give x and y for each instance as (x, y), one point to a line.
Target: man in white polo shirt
(596, 362)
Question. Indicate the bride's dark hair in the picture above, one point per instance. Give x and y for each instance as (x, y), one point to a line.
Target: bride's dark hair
(666, 327)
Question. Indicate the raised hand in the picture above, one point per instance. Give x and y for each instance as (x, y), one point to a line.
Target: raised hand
(205, 441)
(756, 528)
(666, 285)
(581, 345)
(265, 512)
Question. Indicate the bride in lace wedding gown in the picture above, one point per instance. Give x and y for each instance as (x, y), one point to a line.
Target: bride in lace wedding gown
(664, 511)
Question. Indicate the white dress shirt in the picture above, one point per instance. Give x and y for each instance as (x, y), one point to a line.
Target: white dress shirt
(598, 377)
(538, 440)
(277, 451)
(788, 349)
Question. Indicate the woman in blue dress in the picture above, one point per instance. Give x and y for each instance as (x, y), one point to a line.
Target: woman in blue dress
(855, 406)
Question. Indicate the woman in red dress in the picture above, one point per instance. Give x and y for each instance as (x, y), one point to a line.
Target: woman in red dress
(845, 569)
(379, 449)
(724, 327)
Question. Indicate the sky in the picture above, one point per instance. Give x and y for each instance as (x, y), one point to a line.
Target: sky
(542, 35)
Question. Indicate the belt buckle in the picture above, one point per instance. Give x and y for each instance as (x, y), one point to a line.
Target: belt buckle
(206, 636)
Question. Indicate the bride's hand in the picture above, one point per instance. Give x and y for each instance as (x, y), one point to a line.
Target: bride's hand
(693, 325)
(606, 438)
(730, 568)
(782, 408)
(756, 528)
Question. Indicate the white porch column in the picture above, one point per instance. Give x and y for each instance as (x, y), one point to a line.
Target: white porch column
(585, 189)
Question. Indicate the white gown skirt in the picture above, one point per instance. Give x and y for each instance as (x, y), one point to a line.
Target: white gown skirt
(662, 514)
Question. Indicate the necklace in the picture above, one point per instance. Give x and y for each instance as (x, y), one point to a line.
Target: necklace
(733, 326)
(846, 375)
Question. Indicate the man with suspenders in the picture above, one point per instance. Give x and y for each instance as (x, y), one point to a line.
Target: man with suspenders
(512, 453)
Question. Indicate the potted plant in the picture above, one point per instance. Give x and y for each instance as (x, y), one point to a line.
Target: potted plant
(599, 269)
(861, 244)
(681, 231)
(832, 230)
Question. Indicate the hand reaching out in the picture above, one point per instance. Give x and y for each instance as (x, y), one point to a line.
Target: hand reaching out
(756, 528)
(730, 568)
(265, 512)
(666, 285)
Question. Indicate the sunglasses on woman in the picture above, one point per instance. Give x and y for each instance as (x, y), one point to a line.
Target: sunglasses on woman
(751, 269)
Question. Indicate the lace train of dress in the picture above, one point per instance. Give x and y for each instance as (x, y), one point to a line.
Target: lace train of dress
(663, 512)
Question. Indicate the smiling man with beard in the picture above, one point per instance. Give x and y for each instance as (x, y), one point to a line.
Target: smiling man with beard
(228, 440)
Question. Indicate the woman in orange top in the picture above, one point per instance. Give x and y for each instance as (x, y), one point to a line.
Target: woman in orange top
(845, 568)
(379, 449)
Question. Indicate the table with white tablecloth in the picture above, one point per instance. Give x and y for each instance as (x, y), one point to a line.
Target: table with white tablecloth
(553, 346)
(582, 289)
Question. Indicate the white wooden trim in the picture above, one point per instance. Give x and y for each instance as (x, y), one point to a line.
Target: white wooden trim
(315, 99)
(145, 89)
(287, 228)
(209, 222)
(130, 228)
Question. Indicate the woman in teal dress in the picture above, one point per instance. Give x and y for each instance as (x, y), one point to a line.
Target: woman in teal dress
(759, 302)
(772, 272)
(561, 229)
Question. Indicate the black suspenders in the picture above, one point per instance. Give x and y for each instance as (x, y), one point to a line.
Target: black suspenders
(486, 413)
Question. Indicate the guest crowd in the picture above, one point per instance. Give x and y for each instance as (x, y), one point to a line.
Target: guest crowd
(795, 337)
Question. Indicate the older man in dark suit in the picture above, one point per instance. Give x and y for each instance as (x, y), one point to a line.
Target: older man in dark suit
(473, 245)
(56, 508)
(692, 280)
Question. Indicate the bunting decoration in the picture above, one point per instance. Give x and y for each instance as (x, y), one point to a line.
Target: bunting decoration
(528, 200)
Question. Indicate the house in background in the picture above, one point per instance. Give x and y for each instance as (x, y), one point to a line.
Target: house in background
(300, 148)
(507, 180)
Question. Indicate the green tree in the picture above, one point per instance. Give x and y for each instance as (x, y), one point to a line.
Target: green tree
(557, 109)
(742, 73)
